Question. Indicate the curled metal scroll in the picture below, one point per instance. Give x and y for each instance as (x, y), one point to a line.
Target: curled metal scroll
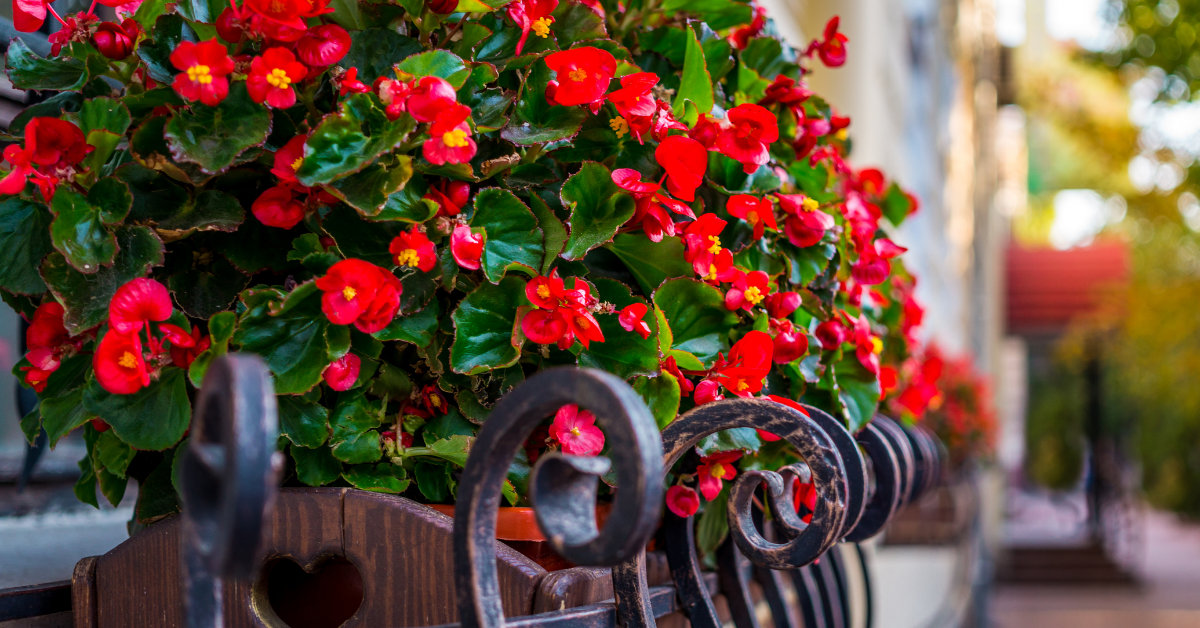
(228, 475)
(902, 447)
(856, 469)
(886, 471)
(562, 488)
(804, 544)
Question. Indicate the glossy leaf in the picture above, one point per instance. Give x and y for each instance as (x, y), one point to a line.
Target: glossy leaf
(534, 120)
(27, 70)
(315, 467)
(375, 50)
(483, 327)
(354, 439)
(24, 242)
(213, 137)
(697, 316)
(79, 234)
(440, 63)
(305, 423)
(416, 328)
(289, 333)
(696, 84)
(350, 140)
(384, 477)
(153, 418)
(369, 189)
(661, 395)
(62, 414)
(514, 239)
(651, 262)
(598, 208)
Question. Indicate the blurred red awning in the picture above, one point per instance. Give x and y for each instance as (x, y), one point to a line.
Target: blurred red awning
(1046, 288)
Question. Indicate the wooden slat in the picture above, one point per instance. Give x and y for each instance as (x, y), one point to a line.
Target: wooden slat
(83, 593)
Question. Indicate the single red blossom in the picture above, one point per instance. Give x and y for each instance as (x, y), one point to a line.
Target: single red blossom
(785, 91)
(286, 13)
(544, 326)
(685, 161)
(837, 123)
(279, 207)
(46, 328)
(348, 83)
(747, 366)
(583, 75)
(583, 325)
(323, 45)
(77, 29)
(184, 352)
(752, 130)
(758, 213)
(634, 98)
(433, 400)
(805, 225)
(867, 346)
(713, 470)
(685, 385)
(721, 269)
(651, 207)
(665, 122)
(790, 342)
(782, 304)
(442, 7)
(342, 373)
(832, 48)
(708, 391)
(871, 181)
(682, 501)
(177, 335)
(706, 131)
(451, 196)
(831, 333)
(430, 97)
(14, 181)
(44, 358)
(289, 159)
(136, 303)
(576, 431)
(118, 363)
(230, 26)
(394, 94)
(548, 292)
(412, 248)
(52, 149)
(873, 266)
(630, 318)
(742, 36)
(703, 242)
(204, 67)
(35, 378)
(361, 293)
(116, 41)
(272, 75)
(747, 291)
(466, 246)
(532, 16)
(450, 137)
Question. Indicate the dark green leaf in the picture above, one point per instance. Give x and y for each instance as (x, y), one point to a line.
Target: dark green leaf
(369, 189)
(316, 467)
(346, 13)
(85, 486)
(896, 205)
(350, 140)
(114, 454)
(104, 113)
(553, 228)
(598, 208)
(433, 478)
(153, 418)
(446, 426)
(695, 85)
(738, 438)
(155, 196)
(114, 199)
(408, 204)
(305, 423)
(354, 439)
(415, 328)
(211, 211)
(213, 137)
(384, 477)
(514, 239)
(79, 234)
(623, 353)
(375, 50)
(718, 14)
(661, 395)
(483, 323)
(650, 262)
(61, 415)
(52, 107)
(697, 316)
(288, 331)
(169, 31)
(24, 242)
(440, 63)
(575, 22)
(858, 390)
(27, 70)
(358, 238)
(534, 120)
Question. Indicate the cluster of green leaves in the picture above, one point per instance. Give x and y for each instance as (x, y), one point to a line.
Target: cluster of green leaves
(1162, 34)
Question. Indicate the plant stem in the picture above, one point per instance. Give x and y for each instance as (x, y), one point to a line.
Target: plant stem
(56, 15)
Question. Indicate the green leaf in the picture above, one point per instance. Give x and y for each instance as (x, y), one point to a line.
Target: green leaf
(488, 107)
(514, 239)
(354, 439)
(375, 50)
(79, 234)
(697, 316)
(433, 478)
(346, 14)
(220, 330)
(213, 137)
(391, 381)
(24, 242)
(440, 63)
(104, 144)
(712, 526)
(454, 449)
(69, 375)
(358, 238)
(62, 414)
(211, 211)
(598, 208)
(416, 328)
(809, 262)
(52, 107)
(113, 198)
(155, 196)
(169, 30)
(408, 204)
(738, 438)
(369, 189)
(447, 426)
(104, 113)
(316, 467)
(896, 205)
(696, 84)
(305, 423)
(85, 486)
(384, 477)
(153, 418)
(661, 395)
(765, 56)
(145, 102)
(350, 140)
(85, 298)
(718, 14)
(483, 327)
(471, 407)
(534, 120)
(288, 332)
(575, 22)
(114, 454)
(858, 390)
(623, 353)
(650, 262)
(148, 12)
(27, 70)
(751, 86)
(553, 229)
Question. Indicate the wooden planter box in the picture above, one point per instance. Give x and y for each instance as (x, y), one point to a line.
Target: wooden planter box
(333, 557)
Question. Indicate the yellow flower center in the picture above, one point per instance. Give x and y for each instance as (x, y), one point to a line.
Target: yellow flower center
(742, 385)
(619, 125)
(715, 245)
(575, 431)
(455, 139)
(712, 272)
(435, 401)
(809, 205)
(577, 74)
(581, 321)
(349, 293)
(128, 360)
(754, 295)
(410, 258)
(841, 134)
(200, 74)
(543, 291)
(752, 218)
(876, 345)
(296, 164)
(279, 78)
(717, 471)
(541, 26)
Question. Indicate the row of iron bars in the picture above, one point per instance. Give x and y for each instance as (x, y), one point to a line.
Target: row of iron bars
(229, 474)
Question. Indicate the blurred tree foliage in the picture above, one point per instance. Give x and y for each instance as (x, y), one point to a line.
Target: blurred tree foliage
(1163, 34)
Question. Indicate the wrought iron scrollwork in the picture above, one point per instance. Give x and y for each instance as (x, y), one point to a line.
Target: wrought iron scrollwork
(228, 475)
(562, 488)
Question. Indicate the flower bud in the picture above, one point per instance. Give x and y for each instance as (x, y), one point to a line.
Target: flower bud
(442, 7)
(113, 41)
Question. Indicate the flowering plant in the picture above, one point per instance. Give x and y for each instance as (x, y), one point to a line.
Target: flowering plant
(407, 208)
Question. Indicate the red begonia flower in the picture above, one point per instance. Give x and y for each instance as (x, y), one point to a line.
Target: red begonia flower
(230, 27)
(583, 325)
(115, 41)
(204, 67)
(747, 291)
(685, 161)
(832, 49)
(14, 181)
(348, 83)
(382, 309)
(576, 431)
(785, 91)
(532, 15)
(119, 365)
(634, 99)
(323, 45)
(742, 36)
(183, 356)
(831, 334)
(361, 293)
(703, 242)
(685, 385)
(758, 213)
(630, 318)
(442, 7)
(287, 13)
(450, 137)
(782, 304)
(752, 130)
(451, 196)
(35, 378)
(544, 326)
(278, 207)
(430, 97)
(871, 181)
(52, 148)
(706, 131)
(394, 94)
(708, 391)
(272, 75)
(412, 248)
(805, 494)
(805, 225)
(547, 292)
(289, 158)
(713, 470)
(682, 501)
(790, 341)
(46, 327)
(136, 303)
(748, 364)
(466, 246)
(651, 208)
(433, 400)
(583, 75)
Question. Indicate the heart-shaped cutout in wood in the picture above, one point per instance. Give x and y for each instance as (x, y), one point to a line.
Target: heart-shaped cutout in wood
(324, 597)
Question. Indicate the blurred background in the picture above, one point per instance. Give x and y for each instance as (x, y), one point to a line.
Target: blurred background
(1053, 146)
